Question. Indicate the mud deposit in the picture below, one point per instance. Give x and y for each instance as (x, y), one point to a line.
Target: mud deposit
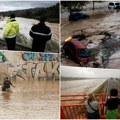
(102, 31)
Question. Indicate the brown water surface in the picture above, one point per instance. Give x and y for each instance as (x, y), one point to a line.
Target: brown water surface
(31, 99)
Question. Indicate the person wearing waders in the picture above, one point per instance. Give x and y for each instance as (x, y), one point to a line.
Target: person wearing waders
(40, 34)
(7, 84)
(10, 32)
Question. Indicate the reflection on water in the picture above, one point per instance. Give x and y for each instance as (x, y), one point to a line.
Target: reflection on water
(31, 99)
(6, 95)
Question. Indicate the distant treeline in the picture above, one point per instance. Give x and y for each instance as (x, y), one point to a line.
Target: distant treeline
(52, 13)
(79, 78)
(72, 78)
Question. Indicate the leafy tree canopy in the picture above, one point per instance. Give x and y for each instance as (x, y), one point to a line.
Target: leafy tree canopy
(74, 5)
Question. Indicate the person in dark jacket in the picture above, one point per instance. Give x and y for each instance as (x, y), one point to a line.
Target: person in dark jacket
(112, 105)
(40, 34)
(6, 84)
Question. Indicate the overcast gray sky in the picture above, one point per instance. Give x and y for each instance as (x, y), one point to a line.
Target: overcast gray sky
(17, 5)
(68, 71)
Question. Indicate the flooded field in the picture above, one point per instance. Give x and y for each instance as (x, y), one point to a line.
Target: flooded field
(31, 100)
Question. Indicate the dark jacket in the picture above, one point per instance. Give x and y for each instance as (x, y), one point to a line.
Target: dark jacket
(112, 103)
(40, 34)
(6, 85)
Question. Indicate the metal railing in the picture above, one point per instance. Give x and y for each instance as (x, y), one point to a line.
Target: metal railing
(73, 106)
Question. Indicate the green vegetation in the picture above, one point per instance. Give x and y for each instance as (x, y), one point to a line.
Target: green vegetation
(22, 39)
(52, 13)
(52, 46)
(101, 89)
(73, 6)
(76, 6)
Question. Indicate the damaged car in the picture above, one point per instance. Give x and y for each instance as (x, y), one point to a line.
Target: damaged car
(77, 51)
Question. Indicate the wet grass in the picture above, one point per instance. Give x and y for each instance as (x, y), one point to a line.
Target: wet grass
(2, 42)
(52, 46)
(22, 39)
(101, 89)
(3, 46)
(118, 80)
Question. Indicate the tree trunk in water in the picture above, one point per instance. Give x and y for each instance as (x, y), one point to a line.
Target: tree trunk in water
(93, 5)
(70, 8)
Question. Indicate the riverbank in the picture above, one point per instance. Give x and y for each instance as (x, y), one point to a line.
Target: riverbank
(24, 37)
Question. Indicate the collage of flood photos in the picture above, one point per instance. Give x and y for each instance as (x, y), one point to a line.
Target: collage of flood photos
(59, 59)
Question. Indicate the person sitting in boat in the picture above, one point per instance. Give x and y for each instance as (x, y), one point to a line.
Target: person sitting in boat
(7, 84)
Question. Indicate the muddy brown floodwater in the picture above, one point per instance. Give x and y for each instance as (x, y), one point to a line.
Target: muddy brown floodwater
(102, 22)
(31, 100)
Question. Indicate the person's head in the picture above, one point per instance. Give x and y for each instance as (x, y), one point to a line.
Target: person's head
(90, 97)
(114, 92)
(12, 16)
(6, 78)
(42, 19)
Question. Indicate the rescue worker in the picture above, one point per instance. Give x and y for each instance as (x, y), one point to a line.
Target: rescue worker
(6, 84)
(40, 34)
(10, 32)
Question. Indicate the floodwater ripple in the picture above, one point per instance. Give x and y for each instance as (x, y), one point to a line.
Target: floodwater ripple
(32, 100)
